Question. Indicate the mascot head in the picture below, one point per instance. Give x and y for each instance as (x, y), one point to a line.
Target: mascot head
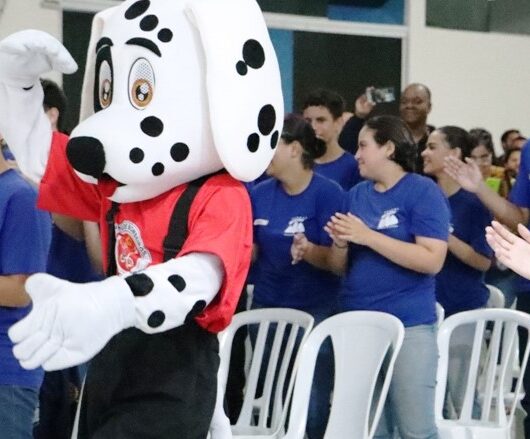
(174, 90)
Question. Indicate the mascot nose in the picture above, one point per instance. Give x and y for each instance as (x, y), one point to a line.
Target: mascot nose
(86, 155)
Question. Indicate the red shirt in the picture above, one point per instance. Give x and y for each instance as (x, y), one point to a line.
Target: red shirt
(219, 222)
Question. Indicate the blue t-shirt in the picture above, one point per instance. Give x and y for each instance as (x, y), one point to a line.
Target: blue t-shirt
(68, 259)
(520, 196)
(414, 206)
(460, 287)
(344, 170)
(24, 242)
(277, 217)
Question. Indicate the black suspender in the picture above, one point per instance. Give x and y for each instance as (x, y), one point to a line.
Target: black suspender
(112, 269)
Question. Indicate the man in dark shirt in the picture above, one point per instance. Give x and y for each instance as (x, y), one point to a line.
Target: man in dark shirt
(414, 108)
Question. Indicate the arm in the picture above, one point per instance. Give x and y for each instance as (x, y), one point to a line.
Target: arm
(426, 255)
(469, 177)
(12, 292)
(466, 254)
(71, 226)
(25, 56)
(155, 300)
(93, 245)
(314, 254)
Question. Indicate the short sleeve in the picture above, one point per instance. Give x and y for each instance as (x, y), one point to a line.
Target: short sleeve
(329, 201)
(520, 193)
(62, 191)
(481, 217)
(25, 235)
(430, 214)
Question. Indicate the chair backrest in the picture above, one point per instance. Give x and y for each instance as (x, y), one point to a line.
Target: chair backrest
(496, 299)
(365, 347)
(440, 314)
(277, 334)
(490, 361)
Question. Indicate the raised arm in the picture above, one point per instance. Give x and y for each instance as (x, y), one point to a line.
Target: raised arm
(468, 175)
(24, 57)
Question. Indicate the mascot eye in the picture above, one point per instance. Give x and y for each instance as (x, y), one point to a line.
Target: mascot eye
(141, 83)
(105, 85)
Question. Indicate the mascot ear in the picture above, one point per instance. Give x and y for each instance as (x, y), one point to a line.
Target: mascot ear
(87, 92)
(243, 83)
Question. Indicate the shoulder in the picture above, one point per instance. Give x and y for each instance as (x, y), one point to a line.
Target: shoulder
(223, 186)
(14, 186)
(325, 184)
(420, 185)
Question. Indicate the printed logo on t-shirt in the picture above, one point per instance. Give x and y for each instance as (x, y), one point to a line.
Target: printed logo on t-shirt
(388, 220)
(296, 225)
(131, 254)
(261, 222)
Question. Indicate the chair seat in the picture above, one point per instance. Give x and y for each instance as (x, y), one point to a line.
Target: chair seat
(451, 429)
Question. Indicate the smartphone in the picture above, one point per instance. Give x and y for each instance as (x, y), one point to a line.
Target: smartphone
(382, 94)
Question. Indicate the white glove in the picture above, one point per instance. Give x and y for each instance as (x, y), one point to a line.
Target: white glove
(26, 55)
(69, 322)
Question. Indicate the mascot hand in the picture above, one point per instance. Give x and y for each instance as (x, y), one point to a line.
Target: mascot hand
(26, 55)
(70, 323)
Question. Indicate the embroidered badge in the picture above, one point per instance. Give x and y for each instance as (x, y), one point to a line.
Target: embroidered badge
(388, 220)
(296, 225)
(131, 254)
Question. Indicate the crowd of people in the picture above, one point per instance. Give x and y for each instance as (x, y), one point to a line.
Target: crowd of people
(355, 212)
(409, 232)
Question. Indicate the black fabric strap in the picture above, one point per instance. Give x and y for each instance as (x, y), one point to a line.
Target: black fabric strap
(112, 269)
(177, 231)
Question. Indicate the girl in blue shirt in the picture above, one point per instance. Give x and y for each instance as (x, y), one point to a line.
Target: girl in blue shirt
(460, 285)
(290, 245)
(390, 244)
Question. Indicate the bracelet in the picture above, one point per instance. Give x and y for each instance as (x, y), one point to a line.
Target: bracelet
(340, 246)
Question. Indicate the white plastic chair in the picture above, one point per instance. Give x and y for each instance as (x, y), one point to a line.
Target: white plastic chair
(365, 344)
(261, 415)
(440, 314)
(496, 416)
(496, 298)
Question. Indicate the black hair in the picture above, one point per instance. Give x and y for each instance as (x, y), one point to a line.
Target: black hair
(457, 137)
(54, 97)
(295, 127)
(393, 129)
(507, 133)
(326, 98)
(483, 137)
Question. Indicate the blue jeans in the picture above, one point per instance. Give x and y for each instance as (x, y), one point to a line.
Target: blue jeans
(409, 407)
(319, 404)
(17, 411)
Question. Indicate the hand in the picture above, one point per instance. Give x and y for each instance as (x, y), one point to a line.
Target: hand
(299, 247)
(70, 323)
(509, 249)
(26, 55)
(466, 174)
(363, 107)
(348, 228)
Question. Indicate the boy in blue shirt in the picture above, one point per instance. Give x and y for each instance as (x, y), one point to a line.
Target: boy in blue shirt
(323, 109)
(24, 243)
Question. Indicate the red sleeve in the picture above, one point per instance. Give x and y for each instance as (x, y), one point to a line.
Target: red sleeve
(220, 222)
(62, 191)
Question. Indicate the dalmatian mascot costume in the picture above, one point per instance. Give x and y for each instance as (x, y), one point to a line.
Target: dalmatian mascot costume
(180, 99)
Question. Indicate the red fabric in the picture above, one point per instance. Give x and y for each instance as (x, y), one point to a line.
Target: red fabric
(220, 222)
